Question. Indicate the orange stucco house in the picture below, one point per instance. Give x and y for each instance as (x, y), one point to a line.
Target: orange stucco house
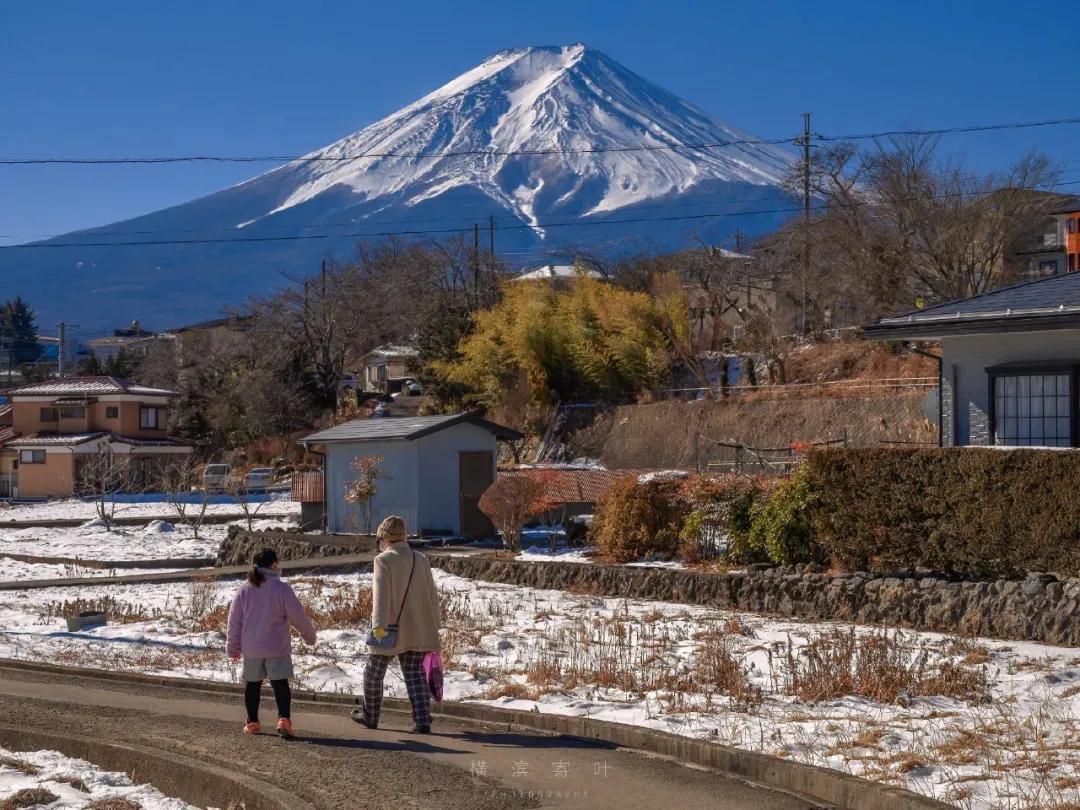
(48, 428)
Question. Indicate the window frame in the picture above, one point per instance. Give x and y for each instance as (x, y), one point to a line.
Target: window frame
(34, 455)
(112, 411)
(1071, 368)
(159, 417)
(49, 409)
(69, 409)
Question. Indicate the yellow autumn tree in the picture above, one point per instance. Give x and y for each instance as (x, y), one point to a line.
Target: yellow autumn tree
(588, 339)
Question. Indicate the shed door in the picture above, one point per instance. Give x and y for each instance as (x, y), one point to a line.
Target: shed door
(476, 474)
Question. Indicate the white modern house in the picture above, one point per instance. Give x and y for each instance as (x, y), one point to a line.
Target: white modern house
(1010, 363)
(435, 470)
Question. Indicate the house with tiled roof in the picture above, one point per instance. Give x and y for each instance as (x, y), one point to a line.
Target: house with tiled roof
(52, 427)
(1009, 363)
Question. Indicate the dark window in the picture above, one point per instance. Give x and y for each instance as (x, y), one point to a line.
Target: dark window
(152, 418)
(31, 456)
(50, 415)
(1072, 226)
(382, 374)
(1072, 262)
(74, 412)
(112, 412)
(1033, 409)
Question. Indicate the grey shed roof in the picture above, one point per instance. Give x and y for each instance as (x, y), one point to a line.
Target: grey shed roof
(1048, 303)
(404, 428)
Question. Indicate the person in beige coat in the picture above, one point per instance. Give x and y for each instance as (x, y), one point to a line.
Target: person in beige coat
(404, 594)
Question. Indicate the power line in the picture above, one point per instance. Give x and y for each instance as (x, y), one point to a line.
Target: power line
(433, 231)
(326, 158)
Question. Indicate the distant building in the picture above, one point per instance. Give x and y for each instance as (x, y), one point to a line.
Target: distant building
(386, 368)
(107, 348)
(49, 428)
(1058, 249)
(558, 274)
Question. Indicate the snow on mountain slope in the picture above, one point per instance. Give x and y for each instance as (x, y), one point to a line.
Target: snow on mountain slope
(561, 145)
(548, 102)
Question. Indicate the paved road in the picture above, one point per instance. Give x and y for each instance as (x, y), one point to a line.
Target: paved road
(337, 764)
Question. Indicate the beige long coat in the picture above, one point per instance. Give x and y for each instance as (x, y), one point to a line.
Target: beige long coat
(418, 628)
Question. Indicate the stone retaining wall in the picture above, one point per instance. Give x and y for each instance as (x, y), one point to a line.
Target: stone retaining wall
(240, 545)
(1039, 608)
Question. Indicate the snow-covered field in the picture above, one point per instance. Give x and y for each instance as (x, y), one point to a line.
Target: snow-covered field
(70, 783)
(978, 723)
(95, 541)
(141, 506)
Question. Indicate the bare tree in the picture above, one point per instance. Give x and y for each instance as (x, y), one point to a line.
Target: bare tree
(236, 487)
(180, 480)
(103, 475)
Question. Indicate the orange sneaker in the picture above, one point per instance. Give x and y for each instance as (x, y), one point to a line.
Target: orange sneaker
(253, 728)
(284, 728)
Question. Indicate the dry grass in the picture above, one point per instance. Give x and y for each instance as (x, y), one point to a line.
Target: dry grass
(117, 612)
(20, 765)
(882, 666)
(28, 797)
(113, 803)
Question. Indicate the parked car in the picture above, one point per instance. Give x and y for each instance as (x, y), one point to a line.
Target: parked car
(380, 410)
(411, 388)
(258, 478)
(214, 476)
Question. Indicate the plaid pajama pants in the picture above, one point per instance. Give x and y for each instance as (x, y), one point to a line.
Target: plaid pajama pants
(415, 685)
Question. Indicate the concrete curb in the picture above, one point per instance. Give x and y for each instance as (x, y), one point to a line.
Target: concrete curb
(199, 783)
(837, 789)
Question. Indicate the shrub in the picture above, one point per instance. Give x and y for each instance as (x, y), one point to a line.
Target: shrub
(720, 510)
(510, 502)
(635, 520)
(963, 511)
(780, 525)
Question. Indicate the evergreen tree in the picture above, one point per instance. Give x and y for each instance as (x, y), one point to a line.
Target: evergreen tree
(18, 332)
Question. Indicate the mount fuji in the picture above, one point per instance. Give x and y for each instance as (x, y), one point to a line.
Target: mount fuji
(562, 146)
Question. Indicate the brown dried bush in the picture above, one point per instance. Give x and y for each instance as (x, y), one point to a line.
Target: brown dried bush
(28, 797)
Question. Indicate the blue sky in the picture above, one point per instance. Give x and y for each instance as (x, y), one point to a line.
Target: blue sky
(122, 78)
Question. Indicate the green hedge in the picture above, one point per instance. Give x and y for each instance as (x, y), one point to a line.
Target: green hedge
(966, 511)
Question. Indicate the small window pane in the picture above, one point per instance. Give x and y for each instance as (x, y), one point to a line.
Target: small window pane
(1063, 384)
(1010, 386)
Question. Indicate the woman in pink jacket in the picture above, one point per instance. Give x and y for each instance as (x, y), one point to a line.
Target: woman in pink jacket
(259, 620)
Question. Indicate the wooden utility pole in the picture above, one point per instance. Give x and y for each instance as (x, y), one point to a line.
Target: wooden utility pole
(806, 216)
(491, 239)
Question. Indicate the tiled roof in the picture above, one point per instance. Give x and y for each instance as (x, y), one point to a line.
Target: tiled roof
(401, 427)
(84, 386)
(1032, 304)
(6, 411)
(7, 434)
(55, 439)
(138, 441)
(573, 485)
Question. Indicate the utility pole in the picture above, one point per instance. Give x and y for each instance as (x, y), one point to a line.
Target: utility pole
(491, 239)
(60, 354)
(806, 215)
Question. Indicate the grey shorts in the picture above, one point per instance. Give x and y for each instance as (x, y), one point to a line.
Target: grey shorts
(268, 669)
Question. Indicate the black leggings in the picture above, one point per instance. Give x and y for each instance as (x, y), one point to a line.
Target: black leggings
(282, 695)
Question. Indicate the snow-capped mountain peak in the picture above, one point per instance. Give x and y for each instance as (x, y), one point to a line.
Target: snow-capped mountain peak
(532, 129)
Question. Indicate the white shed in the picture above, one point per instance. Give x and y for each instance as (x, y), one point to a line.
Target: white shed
(436, 468)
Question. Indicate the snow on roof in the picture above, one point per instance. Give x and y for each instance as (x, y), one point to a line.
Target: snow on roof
(395, 350)
(83, 386)
(550, 271)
